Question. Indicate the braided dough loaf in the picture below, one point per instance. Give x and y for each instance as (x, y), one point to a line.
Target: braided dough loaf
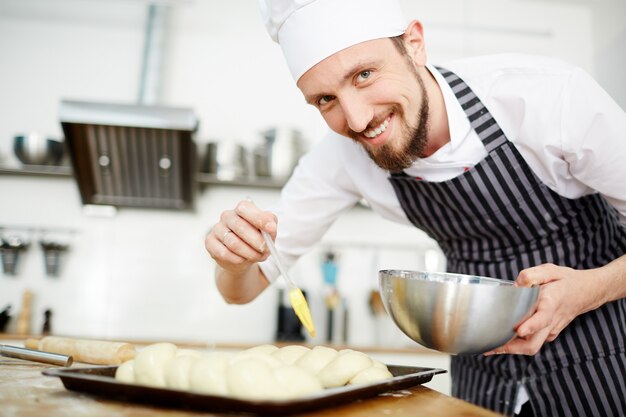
(263, 372)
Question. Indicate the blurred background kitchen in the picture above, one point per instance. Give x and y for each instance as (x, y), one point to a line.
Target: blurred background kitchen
(101, 262)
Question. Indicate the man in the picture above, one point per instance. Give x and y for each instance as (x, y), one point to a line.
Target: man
(514, 164)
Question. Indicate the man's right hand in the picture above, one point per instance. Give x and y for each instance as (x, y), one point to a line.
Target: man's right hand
(236, 244)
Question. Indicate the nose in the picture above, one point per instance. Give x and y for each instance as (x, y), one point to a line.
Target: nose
(356, 111)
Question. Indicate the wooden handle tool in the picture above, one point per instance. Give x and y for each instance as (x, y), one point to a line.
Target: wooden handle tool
(89, 351)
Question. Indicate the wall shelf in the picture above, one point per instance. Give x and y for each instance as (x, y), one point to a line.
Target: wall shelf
(203, 179)
(38, 170)
(260, 182)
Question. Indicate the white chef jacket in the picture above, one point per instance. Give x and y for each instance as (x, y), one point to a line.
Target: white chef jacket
(569, 131)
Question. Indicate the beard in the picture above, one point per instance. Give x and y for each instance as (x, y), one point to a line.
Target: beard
(412, 139)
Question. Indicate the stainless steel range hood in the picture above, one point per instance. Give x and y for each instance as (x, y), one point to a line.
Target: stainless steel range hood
(131, 155)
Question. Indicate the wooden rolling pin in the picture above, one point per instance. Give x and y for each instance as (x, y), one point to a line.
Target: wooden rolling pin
(88, 351)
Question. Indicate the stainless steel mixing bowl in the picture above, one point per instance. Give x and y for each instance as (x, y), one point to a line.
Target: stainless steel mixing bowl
(37, 149)
(455, 313)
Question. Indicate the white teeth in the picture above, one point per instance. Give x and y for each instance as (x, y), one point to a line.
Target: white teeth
(372, 133)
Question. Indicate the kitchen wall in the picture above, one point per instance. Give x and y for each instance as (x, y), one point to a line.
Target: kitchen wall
(144, 274)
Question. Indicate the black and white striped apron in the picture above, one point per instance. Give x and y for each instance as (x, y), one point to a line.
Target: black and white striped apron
(499, 218)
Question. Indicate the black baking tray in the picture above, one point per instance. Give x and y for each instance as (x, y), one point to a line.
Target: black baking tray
(100, 381)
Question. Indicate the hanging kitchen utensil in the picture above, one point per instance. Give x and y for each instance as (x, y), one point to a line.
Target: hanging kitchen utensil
(5, 317)
(332, 299)
(53, 253)
(46, 329)
(10, 249)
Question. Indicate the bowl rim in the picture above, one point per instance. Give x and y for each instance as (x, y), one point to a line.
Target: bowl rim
(445, 277)
(45, 138)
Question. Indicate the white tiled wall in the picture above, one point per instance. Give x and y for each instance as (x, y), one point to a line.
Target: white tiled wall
(144, 273)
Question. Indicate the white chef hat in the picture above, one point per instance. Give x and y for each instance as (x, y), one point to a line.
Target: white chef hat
(309, 31)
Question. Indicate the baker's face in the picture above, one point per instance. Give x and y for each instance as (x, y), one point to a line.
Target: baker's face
(373, 94)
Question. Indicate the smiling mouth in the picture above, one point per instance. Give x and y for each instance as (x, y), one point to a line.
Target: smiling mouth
(372, 133)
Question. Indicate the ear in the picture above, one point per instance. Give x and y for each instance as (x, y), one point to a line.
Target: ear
(414, 41)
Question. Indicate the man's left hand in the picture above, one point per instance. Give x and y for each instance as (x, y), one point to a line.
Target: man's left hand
(564, 294)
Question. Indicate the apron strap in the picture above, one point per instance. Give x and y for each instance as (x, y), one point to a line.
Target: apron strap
(481, 120)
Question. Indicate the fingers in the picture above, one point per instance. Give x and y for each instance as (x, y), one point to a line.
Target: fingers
(546, 323)
(241, 231)
(263, 220)
(563, 295)
(541, 318)
(220, 253)
(235, 241)
(531, 333)
(538, 321)
(523, 346)
(540, 274)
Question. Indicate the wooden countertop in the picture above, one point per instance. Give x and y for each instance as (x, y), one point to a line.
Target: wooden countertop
(25, 392)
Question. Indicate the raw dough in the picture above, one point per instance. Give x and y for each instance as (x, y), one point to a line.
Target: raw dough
(379, 364)
(372, 374)
(290, 354)
(150, 363)
(126, 372)
(343, 367)
(263, 372)
(261, 349)
(251, 378)
(316, 358)
(208, 373)
(188, 352)
(177, 371)
(260, 354)
(297, 382)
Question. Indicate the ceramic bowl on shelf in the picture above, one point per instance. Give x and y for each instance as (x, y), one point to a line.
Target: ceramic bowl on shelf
(455, 313)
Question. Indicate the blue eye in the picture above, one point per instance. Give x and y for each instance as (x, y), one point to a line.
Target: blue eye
(364, 75)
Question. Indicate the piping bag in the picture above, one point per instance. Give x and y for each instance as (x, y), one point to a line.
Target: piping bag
(296, 298)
